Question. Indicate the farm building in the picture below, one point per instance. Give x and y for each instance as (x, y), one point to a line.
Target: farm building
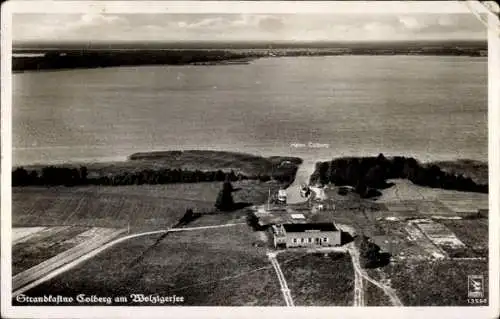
(306, 235)
(278, 214)
(282, 195)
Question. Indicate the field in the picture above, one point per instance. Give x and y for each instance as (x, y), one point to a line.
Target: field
(21, 234)
(418, 226)
(473, 233)
(145, 207)
(43, 245)
(405, 196)
(64, 220)
(437, 283)
(206, 267)
(228, 266)
(36, 258)
(318, 279)
(386, 218)
(374, 296)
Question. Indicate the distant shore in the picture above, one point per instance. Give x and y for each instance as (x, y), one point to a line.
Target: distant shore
(63, 60)
(57, 59)
(163, 168)
(205, 165)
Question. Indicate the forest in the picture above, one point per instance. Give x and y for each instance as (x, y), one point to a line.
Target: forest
(53, 175)
(367, 174)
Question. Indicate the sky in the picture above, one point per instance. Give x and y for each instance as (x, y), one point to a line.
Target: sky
(97, 27)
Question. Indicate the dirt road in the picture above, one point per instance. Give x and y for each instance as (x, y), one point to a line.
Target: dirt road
(284, 286)
(102, 235)
(361, 273)
(301, 177)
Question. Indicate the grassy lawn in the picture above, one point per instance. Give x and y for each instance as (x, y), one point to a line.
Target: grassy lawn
(319, 280)
(206, 267)
(144, 207)
(434, 283)
(404, 190)
(208, 160)
(374, 296)
(255, 288)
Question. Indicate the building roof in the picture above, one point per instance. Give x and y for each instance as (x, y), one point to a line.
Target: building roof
(296, 228)
(278, 230)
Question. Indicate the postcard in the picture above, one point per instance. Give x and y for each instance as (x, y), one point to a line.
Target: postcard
(241, 159)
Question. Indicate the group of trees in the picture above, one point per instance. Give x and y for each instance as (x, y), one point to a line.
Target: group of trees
(188, 217)
(370, 255)
(368, 173)
(52, 175)
(224, 201)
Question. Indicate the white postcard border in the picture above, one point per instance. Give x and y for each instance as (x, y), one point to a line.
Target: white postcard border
(194, 7)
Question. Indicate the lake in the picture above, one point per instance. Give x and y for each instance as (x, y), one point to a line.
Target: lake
(430, 107)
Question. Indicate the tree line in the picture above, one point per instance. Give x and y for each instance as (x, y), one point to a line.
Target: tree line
(52, 176)
(97, 59)
(368, 173)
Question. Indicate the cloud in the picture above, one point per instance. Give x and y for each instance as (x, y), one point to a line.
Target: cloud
(271, 24)
(441, 24)
(67, 27)
(193, 27)
(229, 23)
(209, 23)
(412, 23)
(447, 20)
(99, 19)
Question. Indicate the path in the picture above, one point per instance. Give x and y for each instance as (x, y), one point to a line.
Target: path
(359, 297)
(22, 234)
(284, 287)
(40, 276)
(102, 236)
(359, 291)
(302, 176)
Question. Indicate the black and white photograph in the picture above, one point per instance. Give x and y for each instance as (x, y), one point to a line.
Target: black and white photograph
(249, 154)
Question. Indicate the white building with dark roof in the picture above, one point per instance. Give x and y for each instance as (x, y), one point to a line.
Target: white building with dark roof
(306, 235)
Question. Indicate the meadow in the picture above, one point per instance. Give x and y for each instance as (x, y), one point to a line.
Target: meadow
(438, 283)
(206, 267)
(43, 245)
(144, 207)
(319, 279)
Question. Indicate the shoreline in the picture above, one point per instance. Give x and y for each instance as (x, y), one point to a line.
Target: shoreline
(38, 60)
(120, 159)
(306, 154)
(235, 61)
(210, 165)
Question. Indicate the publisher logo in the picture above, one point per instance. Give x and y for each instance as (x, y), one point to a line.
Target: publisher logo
(475, 286)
